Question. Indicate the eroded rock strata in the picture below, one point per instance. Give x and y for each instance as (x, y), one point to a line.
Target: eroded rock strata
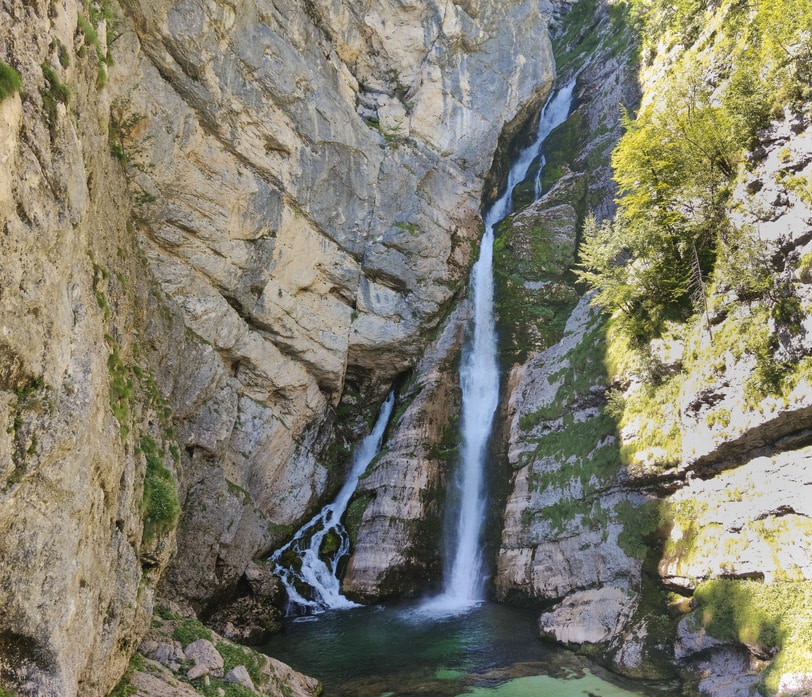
(216, 217)
(229, 229)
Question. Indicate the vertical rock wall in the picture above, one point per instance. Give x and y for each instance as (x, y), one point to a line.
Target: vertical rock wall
(215, 216)
(77, 567)
(678, 471)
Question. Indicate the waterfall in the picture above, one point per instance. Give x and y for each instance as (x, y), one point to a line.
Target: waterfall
(464, 581)
(303, 567)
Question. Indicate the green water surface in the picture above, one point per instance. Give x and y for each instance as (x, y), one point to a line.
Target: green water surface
(491, 651)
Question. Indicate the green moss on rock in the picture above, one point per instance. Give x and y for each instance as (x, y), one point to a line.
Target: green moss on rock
(774, 617)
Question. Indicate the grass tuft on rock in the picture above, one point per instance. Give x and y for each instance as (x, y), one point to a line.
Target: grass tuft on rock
(190, 629)
(11, 82)
(160, 505)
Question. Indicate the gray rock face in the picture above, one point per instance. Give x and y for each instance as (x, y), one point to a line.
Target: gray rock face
(564, 537)
(249, 204)
(748, 522)
(399, 502)
(76, 580)
(310, 181)
(588, 617)
(203, 652)
(238, 675)
(563, 526)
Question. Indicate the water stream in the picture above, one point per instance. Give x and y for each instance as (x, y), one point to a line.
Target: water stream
(301, 564)
(464, 582)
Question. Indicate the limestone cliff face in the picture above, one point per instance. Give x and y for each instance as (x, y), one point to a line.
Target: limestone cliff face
(216, 217)
(562, 540)
(686, 472)
(398, 506)
(309, 179)
(78, 562)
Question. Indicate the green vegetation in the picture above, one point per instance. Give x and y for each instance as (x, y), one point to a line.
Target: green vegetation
(639, 523)
(583, 451)
(685, 516)
(30, 398)
(160, 506)
(122, 122)
(584, 368)
(355, 514)
(582, 31)
(124, 687)
(57, 92)
(680, 154)
(532, 297)
(189, 629)
(10, 81)
(122, 390)
(412, 228)
(774, 617)
(234, 656)
(135, 400)
(219, 688)
(102, 54)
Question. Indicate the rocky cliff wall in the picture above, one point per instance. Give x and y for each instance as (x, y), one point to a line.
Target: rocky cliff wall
(309, 182)
(216, 217)
(79, 558)
(658, 510)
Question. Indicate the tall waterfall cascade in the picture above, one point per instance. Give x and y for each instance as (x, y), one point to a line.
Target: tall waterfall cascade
(464, 581)
(310, 580)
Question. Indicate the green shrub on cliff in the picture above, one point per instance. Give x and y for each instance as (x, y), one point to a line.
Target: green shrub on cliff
(679, 156)
(10, 81)
(160, 505)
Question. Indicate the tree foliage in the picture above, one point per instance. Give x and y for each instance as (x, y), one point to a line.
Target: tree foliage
(674, 166)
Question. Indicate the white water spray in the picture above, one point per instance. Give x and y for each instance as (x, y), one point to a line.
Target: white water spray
(313, 572)
(479, 379)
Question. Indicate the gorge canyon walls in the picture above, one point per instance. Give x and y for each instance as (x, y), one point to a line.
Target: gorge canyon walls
(658, 508)
(219, 221)
(228, 228)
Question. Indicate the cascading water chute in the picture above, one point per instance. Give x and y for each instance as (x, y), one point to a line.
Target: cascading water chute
(308, 564)
(464, 582)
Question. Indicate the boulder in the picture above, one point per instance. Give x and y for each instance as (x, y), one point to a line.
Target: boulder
(204, 653)
(239, 675)
(588, 617)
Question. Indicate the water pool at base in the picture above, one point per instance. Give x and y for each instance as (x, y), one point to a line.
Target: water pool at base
(399, 651)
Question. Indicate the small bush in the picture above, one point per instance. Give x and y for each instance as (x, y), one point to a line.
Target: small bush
(10, 81)
(124, 687)
(160, 505)
(56, 92)
(234, 656)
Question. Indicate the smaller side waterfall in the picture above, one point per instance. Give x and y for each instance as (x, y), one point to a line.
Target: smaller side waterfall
(299, 564)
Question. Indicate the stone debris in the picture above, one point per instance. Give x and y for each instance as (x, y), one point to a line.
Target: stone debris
(204, 653)
(240, 676)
